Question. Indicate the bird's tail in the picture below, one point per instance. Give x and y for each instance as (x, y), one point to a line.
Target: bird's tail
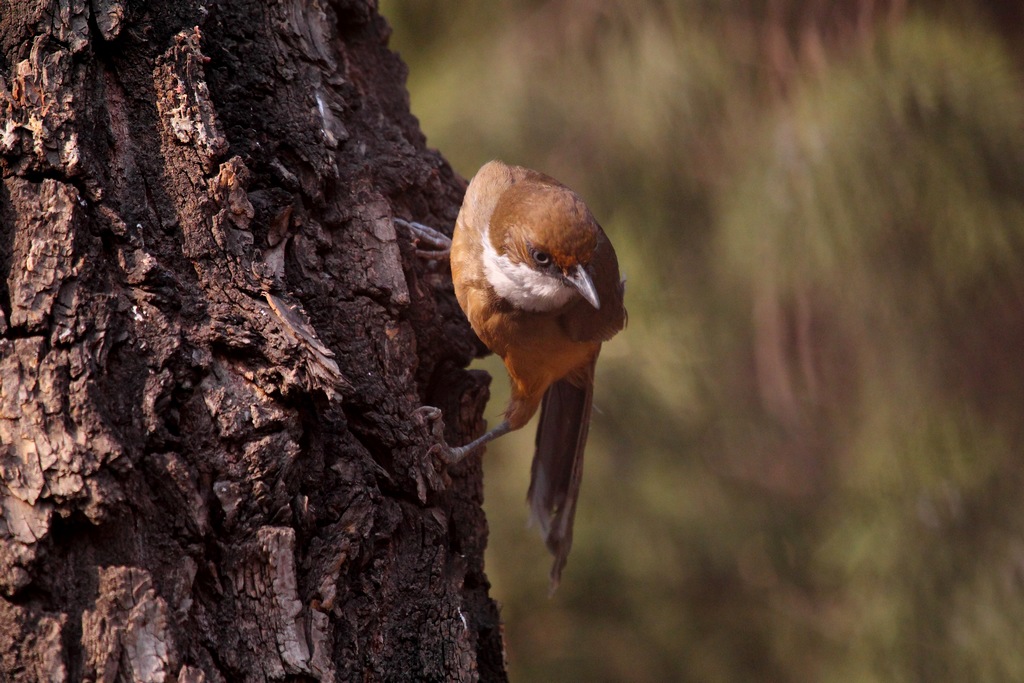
(558, 462)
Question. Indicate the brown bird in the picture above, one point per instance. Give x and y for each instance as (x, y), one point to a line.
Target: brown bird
(539, 282)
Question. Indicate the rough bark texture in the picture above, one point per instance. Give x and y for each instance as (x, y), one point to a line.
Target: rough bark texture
(212, 342)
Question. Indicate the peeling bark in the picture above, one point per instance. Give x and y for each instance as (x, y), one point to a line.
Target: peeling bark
(212, 342)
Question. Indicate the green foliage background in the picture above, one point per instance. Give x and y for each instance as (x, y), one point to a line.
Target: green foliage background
(806, 462)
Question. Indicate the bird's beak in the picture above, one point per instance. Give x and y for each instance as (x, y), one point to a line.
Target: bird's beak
(580, 279)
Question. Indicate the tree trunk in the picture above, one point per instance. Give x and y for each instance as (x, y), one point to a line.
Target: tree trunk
(212, 343)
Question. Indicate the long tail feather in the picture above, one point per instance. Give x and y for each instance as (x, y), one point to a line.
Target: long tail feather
(558, 463)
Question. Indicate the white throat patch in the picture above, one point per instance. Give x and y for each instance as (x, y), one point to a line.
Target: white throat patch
(521, 285)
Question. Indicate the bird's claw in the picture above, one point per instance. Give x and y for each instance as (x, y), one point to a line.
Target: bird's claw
(426, 472)
(431, 420)
(440, 245)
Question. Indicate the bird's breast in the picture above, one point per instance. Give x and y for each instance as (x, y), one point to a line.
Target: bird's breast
(535, 346)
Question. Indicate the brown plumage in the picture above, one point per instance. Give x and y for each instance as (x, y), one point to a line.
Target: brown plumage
(539, 282)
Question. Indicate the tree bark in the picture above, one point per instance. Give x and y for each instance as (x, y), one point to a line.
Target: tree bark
(212, 343)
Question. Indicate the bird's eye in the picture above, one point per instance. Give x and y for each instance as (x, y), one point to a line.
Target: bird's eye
(541, 258)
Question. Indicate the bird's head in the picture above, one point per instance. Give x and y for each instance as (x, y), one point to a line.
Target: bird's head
(538, 246)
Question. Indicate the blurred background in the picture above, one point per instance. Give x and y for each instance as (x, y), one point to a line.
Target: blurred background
(807, 460)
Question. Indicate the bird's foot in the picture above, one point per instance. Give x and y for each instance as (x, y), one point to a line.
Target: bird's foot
(438, 244)
(428, 473)
(432, 421)
(430, 418)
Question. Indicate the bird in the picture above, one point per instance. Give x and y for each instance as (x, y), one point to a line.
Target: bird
(539, 282)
